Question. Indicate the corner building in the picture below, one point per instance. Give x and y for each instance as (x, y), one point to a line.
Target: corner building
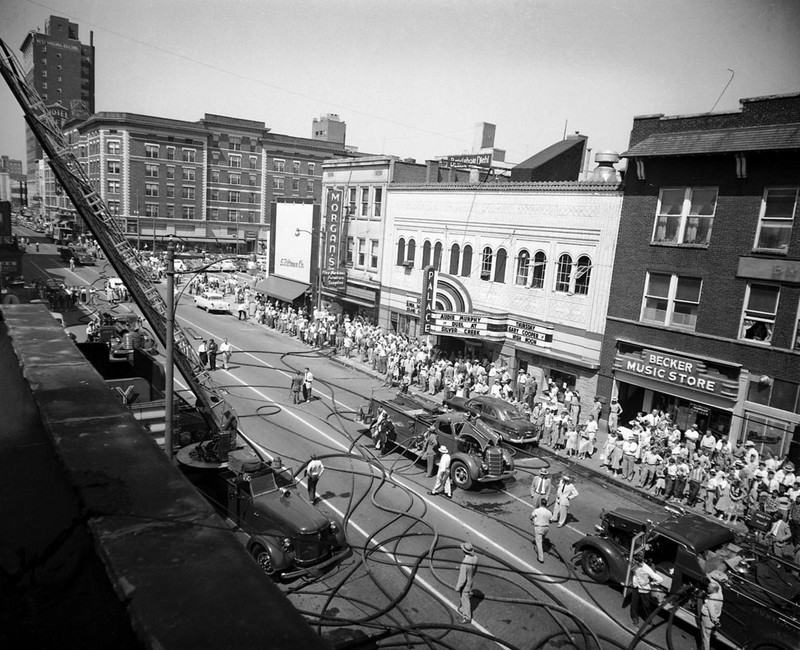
(705, 298)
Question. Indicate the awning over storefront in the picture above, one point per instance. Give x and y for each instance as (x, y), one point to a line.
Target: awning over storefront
(709, 399)
(282, 288)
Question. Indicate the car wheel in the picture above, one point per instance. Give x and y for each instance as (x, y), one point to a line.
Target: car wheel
(595, 565)
(460, 475)
(262, 557)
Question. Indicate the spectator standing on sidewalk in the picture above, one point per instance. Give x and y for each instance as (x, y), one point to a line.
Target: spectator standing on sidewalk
(697, 476)
(314, 471)
(466, 574)
(541, 518)
(565, 492)
(226, 351)
(614, 413)
(629, 450)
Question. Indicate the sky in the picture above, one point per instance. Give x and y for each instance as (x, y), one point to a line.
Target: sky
(412, 78)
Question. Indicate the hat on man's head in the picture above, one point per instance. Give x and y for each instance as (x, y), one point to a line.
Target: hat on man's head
(566, 478)
(543, 472)
(749, 443)
(468, 548)
(442, 449)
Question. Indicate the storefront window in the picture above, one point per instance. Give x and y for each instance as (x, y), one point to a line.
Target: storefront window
(776, 393)
(768, 434)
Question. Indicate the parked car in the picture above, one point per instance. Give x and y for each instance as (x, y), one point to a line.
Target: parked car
(505, 418)
(226, 265)
(760, 591)
(212, 301)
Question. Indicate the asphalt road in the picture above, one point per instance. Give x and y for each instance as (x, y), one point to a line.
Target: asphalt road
(399, 580)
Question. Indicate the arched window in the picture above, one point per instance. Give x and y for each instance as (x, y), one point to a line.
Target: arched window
(523, 268)
(582, 274)
(486, 263)
(455, 258)
(401, 251)
(500, 266)
(539, 267)
(466, 262)
(563, 273)
(437, 256)
(411, 253)
(426, 254)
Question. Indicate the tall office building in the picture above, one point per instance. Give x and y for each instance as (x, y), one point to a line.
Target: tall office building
(61, 69)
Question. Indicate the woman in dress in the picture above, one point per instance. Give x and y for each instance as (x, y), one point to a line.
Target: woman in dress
(724, 497)
(736, 498)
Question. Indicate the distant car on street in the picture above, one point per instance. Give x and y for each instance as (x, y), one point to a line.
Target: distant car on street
(227, 266)
(505, 418)
(212, 301)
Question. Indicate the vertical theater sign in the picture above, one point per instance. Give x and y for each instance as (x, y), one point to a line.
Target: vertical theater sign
(428, 296)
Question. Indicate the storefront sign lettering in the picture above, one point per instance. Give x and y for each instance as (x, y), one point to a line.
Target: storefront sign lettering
(498, 327)
(671, 376)
(333, 234)
(428, 293)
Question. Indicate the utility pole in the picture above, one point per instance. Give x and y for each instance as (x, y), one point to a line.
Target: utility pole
(169, 375)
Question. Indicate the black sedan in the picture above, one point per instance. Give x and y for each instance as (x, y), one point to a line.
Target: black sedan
(505, 418)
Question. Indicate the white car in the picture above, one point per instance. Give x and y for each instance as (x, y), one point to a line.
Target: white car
(226, 265)
(212, 301)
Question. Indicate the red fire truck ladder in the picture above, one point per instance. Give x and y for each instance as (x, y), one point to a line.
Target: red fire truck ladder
(110, 236)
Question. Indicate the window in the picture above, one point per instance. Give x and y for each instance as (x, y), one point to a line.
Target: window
(234, 196)
(373, 254)
(252, 179)
(523, 268)
(671, 300)
(251, 197)
(539, 268)
(188, 174)
(235, 145)
(775, 393)
(401, 251)
(583, 273)
(426, 254)
(233, 215)
(170, 173)
(188, 212)
(758, 316)
(295, 166)
(486, 263)
(113, 206)
(362, 251)
(170, 153)
(563, 273)
(151, 210)
(500, 266)
(277, 182)
(215, 195)
(214, 214)
(437, 256)
(466, 262)
(112, 166)
(278, 165)
(235, 161)
(187, 192)
(777, 216)
(170, 191)
(455, 258)
(351, 201)
(235, 178)
(311, 168)
(295, 185)
(411, 251)
(189, 155)
(253, 162)
(151, 151)
(685, 215)
(378, 201)
(364, 201)
(310, 185)
(349, 251)
(215, 175)
(170, 211)
(151, 189)
(151, 171)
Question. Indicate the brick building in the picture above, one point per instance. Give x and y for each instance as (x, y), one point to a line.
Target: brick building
(704, 312)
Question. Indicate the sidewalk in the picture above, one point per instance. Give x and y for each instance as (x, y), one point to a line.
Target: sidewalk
(589, 468)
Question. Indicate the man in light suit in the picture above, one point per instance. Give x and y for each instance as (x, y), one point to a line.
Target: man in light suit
(565, 492)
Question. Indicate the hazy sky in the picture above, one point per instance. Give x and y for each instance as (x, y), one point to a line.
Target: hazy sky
(413, 77)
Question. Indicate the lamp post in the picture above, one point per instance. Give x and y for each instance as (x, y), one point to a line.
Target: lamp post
(318, 301)
(154, 233)
(169, 396)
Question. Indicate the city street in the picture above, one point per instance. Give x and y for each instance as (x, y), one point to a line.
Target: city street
(400, 578)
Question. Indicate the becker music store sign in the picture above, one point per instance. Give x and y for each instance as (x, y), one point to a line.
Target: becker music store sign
(676, 370)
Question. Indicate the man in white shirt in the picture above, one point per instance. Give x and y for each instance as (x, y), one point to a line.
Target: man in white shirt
(226, 351)
(443, 483)
(541, 518)
(314, 470)
(642, 582)
(308, 380)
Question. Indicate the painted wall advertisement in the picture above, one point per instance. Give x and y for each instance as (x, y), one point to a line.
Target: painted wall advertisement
(293, 238)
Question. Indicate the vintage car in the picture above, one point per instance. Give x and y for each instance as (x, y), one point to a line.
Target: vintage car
(212, 301)
(285, 534)
(226, 265)
(761, 593)
(505, 418)
(477, 452)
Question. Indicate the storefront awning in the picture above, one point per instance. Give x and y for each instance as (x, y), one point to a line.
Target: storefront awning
(708, 399)
(282, 288)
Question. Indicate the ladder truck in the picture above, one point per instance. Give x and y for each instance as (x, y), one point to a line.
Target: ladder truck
(125, 260)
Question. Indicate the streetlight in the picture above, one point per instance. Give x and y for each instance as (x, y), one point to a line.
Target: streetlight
(319, 264)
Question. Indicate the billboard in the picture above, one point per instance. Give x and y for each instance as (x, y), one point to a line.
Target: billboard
(467, 160)
(293, 241)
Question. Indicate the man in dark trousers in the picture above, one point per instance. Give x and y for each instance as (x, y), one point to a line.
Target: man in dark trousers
(430, 443)
(466, 573)
(314, 470)
(297, 386)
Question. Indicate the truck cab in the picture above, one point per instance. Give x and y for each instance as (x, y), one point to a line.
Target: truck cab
(477, 452)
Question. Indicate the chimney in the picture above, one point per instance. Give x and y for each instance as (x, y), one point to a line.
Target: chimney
(484, 136)
(605, 172)
(432, 171)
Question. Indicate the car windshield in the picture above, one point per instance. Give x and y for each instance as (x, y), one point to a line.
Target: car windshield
(214, 296)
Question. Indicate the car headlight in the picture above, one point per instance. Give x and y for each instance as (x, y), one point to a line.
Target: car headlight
(286, 544)
(334, 527)
(484, 467)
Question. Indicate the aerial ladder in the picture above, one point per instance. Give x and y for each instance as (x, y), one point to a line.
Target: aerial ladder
(109, 235)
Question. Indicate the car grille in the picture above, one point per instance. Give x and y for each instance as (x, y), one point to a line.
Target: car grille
(494, 460)
(312, 547)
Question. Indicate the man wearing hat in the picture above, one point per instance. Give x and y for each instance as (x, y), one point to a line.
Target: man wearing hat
(540, 487)
(467, 571)
(443, 475)
(565, 492)
(430, 443)
(541, 518)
